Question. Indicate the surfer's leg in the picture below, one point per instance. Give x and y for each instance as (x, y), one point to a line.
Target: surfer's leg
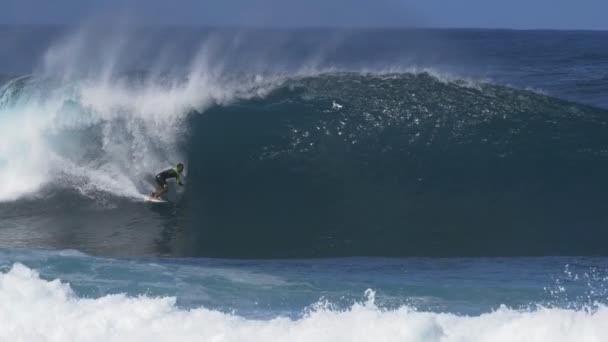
(161, 191)
(162, 185)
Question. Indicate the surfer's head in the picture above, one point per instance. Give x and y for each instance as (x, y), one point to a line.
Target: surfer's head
(180, 167)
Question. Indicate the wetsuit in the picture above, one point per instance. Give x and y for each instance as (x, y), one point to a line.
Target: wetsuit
(162, 177)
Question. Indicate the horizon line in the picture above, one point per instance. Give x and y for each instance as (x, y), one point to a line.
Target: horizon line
(312, 27)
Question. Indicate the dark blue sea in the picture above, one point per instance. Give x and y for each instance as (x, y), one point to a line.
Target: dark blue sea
(340, 185)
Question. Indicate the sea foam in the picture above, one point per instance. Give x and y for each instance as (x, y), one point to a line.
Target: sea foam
(35, 309)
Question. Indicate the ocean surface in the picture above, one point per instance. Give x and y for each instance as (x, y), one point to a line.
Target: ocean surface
(340, 185)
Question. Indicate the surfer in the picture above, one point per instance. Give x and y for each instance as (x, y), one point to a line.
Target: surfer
(161, 179)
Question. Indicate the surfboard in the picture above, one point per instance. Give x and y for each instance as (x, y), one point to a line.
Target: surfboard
(153, 200)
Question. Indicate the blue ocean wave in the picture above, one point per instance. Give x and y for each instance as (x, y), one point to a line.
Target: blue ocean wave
(329, 164)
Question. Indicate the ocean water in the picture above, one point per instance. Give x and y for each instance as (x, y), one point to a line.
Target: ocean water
(341, 185)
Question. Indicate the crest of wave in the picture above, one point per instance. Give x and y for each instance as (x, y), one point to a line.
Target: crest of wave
(34, 309)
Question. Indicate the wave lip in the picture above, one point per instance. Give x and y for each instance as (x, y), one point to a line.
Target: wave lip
(34, 309)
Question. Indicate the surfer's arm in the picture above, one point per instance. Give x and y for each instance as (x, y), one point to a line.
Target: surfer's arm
(179, 179)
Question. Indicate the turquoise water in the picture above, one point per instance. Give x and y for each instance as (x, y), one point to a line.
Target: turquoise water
(269, 288)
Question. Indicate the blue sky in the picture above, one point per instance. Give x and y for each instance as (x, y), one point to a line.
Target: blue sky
(518, 14)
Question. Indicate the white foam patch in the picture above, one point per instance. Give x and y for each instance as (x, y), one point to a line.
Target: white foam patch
(34, 309)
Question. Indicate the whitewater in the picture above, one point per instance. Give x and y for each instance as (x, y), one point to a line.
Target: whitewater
(49, 310)
(135, 124)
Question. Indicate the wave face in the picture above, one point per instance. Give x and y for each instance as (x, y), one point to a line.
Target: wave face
(403, 164)
(325, 164)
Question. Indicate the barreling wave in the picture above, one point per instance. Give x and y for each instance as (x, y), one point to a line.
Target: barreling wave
(322, 164)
